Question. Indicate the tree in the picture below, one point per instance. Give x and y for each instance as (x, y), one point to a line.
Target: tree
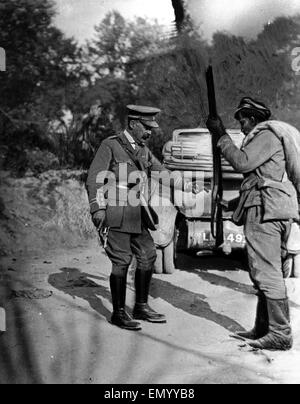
(120, 42)
(174, 80)
(260, 68)
(114, 56)
(39, 57)
(42, 69)
(282, 33)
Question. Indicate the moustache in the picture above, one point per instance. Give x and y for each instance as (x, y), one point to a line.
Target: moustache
(147, 135)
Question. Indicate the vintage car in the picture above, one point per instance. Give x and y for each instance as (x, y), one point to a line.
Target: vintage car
(190, 151)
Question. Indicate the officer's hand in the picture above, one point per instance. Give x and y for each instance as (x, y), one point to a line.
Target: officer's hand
(216, 126)
(98, 218)
(188, 186)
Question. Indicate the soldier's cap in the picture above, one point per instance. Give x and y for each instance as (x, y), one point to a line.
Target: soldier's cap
(249, 104)
(146, 115)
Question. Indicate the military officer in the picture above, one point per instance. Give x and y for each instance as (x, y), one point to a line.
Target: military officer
(127, 223)
(267, 202)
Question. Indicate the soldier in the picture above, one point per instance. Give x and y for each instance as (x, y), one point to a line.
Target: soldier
(268, 202)
(128, 225)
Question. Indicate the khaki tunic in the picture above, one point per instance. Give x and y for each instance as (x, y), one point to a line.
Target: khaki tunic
(112, 157)
(267, 204)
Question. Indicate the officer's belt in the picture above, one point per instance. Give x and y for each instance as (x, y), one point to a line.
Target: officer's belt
(122, 193)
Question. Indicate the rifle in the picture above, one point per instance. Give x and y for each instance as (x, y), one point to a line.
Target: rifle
(217, 192)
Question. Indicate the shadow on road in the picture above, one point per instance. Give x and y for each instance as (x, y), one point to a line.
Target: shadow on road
(75, 283)
(202, 266)
(190, 261)
(78, 284)
(218, 280)
(191, 303)
(23, 357)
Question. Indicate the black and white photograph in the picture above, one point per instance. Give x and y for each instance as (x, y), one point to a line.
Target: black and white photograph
(149, 194)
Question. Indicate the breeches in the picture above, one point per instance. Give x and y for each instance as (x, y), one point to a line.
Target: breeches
(121, 247)
(264, 248)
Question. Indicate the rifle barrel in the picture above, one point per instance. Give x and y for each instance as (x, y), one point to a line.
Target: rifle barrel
(211, 93)
(217, 194)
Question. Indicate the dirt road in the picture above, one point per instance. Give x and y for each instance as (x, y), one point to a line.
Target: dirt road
(66, 337)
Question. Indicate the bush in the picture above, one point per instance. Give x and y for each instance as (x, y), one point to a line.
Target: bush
(19, 161)
(41, 160)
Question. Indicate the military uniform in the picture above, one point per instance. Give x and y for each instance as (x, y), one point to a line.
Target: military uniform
(268, 203)
(128, 233)
(112, 156)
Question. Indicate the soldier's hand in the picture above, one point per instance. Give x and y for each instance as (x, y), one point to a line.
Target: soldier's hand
(193, 187)
(216, 126)
(98, 218)
(197, 189)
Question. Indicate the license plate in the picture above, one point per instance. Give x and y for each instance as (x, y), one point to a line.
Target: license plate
(235, 238)
(232, 238)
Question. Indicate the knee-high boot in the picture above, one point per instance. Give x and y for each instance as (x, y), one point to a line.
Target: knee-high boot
(261, 326)
(120, 317)
(279, 337)
(142, 311)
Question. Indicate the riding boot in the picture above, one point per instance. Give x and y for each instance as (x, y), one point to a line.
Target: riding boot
(261, 326)
(120, 317)
(142, 311)
(279, 337)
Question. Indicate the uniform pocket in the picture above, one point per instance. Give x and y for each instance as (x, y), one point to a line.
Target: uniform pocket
(279, 204)
(120, 161)
(254, 214)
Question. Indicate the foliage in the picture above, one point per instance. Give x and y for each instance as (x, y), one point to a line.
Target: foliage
(175, 81)
(40, 58)
(114, 56)
(19, 161)
(119, 42)
(50, 77)
(42, 65)
(260, 68)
